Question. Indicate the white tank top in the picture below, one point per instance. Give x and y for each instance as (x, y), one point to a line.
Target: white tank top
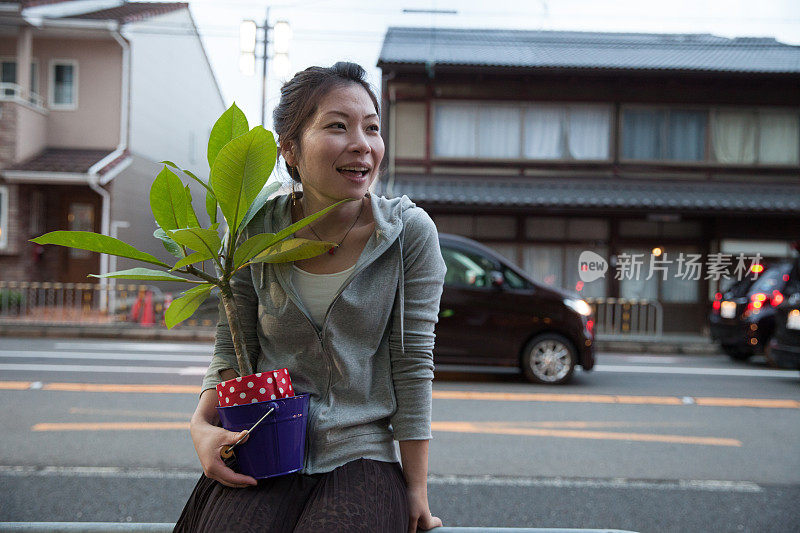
(317, 290)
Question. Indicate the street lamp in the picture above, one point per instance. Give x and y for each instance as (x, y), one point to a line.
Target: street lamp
(247, 47)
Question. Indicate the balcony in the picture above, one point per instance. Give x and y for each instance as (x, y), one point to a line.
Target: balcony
(23, 124)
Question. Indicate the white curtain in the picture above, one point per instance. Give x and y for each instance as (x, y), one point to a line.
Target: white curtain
(634, 282)
(499, 132)
(733, 136)
(544, 263)
(543, 132)
(778, 138)
(641, 134)
(675, 288)
(455, 130)
(588, 132)
(687, 135)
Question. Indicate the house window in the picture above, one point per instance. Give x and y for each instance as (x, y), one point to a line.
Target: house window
(673, 279)
(63, 84)
(579, 132)
(3, 217)
(743, 137)
(664, 134)
(558, 266)
(501, 131)
(467, 130)
(8, 74)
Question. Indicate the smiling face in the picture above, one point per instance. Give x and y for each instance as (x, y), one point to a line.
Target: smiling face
(341, 146)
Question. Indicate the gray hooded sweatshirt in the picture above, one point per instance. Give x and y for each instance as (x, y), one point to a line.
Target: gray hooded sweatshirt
(369, 370)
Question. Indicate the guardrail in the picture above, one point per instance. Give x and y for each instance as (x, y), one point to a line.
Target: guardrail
(44, 303)
(623, 317)
(109, 527)
(12, 91)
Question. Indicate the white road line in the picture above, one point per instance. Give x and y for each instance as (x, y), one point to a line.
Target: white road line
(107, 356)
(699, 371)
(614, 483)
(133, 346)
(111, 369)
(434, 479)
(98, 471)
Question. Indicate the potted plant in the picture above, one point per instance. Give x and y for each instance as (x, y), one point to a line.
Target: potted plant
(240, 161)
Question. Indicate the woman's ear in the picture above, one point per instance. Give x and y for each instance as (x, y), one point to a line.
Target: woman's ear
(287, 151)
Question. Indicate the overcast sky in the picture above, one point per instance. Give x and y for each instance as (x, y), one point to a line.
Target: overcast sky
(326, 31)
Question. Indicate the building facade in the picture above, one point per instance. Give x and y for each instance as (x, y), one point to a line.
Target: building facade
(655, 152)
(93, 94)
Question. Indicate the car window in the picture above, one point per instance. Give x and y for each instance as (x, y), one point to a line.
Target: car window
(770, 280)
(513, 280)
(465, 269)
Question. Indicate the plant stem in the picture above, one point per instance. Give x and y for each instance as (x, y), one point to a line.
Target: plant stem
(237, 335)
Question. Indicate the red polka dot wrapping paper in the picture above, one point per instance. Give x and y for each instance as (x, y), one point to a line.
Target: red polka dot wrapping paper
(259, 387)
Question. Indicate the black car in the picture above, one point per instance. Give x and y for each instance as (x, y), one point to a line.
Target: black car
(493, 313)
(743, 318)
(785, 343)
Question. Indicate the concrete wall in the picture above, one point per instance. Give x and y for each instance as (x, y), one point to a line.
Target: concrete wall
(174, 96)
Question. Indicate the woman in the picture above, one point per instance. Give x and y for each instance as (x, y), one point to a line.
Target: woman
(353, 326)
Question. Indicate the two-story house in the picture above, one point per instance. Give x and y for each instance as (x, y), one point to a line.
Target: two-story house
(93, 94)
(642, 148)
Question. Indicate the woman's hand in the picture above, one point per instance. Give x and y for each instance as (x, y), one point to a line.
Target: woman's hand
(419, 511)
(209, 440)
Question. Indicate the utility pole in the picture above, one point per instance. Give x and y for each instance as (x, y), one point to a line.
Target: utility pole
(264, 70)
(249, 40)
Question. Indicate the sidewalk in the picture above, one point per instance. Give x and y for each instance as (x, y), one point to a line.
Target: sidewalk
(667, 344)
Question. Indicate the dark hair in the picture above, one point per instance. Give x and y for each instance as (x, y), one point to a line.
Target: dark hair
(301, 95)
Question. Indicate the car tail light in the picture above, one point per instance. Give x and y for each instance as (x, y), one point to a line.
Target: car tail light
(716, 305)
(590, 327)
(776, 299)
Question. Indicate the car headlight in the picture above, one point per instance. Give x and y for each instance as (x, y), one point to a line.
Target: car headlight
(579, 306)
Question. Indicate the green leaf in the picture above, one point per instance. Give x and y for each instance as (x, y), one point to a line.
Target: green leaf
(240, 171)
(142, 274)
(168, 200)
(252, 247)
(211, 206)
(192, 258)
(191, 216)
(94, 242)
(202, 240)
(188, 173)
(231, 124)
(185, 306)
(292, 250)
(170, 245)
(258, 203)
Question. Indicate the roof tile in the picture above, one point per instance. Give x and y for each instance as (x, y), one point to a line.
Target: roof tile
(587, 50)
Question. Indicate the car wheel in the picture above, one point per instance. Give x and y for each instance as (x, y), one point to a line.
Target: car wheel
(737, 353)
(549, 358)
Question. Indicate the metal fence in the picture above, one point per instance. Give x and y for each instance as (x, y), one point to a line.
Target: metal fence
(44, 303)
(621, 317)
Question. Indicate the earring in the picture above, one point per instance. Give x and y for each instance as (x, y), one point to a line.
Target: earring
(294, 193)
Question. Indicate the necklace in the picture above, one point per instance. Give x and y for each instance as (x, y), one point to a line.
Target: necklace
(335, 246)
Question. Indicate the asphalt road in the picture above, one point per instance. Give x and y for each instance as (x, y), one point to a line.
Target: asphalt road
(644, 443)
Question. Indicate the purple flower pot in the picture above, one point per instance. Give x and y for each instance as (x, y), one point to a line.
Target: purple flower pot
(277, 446)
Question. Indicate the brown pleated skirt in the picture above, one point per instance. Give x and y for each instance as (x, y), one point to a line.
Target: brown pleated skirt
(362, 495)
